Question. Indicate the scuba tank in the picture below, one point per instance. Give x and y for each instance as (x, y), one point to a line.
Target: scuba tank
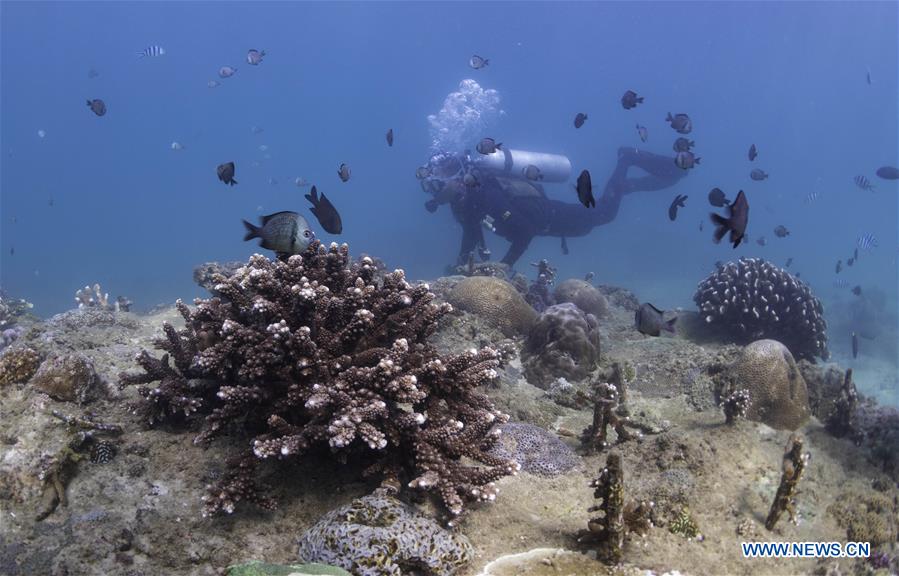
(514, 163)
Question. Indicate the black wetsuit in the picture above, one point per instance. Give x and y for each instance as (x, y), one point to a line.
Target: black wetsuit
(521, 211)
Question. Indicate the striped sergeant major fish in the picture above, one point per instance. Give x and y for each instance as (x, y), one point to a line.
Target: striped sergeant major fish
(841, 283)
(812, 197)
(153, 50)
(867, 241)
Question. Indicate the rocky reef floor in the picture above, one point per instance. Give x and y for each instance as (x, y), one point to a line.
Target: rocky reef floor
(139, 511)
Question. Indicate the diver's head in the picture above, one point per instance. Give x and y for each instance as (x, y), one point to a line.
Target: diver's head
(442, 178)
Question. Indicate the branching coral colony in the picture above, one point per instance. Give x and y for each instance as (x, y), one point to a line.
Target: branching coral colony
(313, 351)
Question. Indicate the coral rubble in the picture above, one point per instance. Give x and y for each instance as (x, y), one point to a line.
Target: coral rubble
(311, 352)
(754, 299)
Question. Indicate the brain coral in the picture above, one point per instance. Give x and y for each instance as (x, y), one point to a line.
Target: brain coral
(378, 535)
(496, 301)
(563, 342)
(537, 450)
(583, 295)
(778, 394)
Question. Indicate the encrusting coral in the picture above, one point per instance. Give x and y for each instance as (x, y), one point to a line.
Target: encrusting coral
(564, 342)
(313, 351)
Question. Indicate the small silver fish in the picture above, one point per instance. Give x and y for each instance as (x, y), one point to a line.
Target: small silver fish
(300, 182)
(758, 175)
(344, 172)
(152, 51)
(643, 132)
(477, 62)
(176, 146)
(226, 71)
(213, 83)
(254, 57)
(531, 172)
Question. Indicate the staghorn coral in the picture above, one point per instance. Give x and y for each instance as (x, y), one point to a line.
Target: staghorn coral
(311, 352)
(536, 450)
(17, 365)
(377, 535)
(495, 300)
(753, 299)
(768, 372)
(583, 295)
(564, 342)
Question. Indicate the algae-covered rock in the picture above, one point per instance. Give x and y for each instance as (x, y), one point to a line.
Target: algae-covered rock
(257, 568)
(70, 378)
(583, 295)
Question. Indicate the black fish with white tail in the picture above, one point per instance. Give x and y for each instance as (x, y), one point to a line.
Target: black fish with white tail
(325, 212)
(390, 137)
(585, 190)
(580, 119)
(650, 321)
(735, 223)
(643, 132)
(489, 146)
(781, 231)
(677, 202)
(630, 100)
(753, 153)
(285, 233)
(226, 173)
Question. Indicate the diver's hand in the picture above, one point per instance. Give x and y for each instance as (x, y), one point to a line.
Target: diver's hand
(432, 205)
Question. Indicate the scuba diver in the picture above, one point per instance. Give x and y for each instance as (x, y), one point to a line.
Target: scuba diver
(502, 191)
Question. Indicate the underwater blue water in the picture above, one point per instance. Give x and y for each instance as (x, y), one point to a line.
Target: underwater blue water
(136, 216)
